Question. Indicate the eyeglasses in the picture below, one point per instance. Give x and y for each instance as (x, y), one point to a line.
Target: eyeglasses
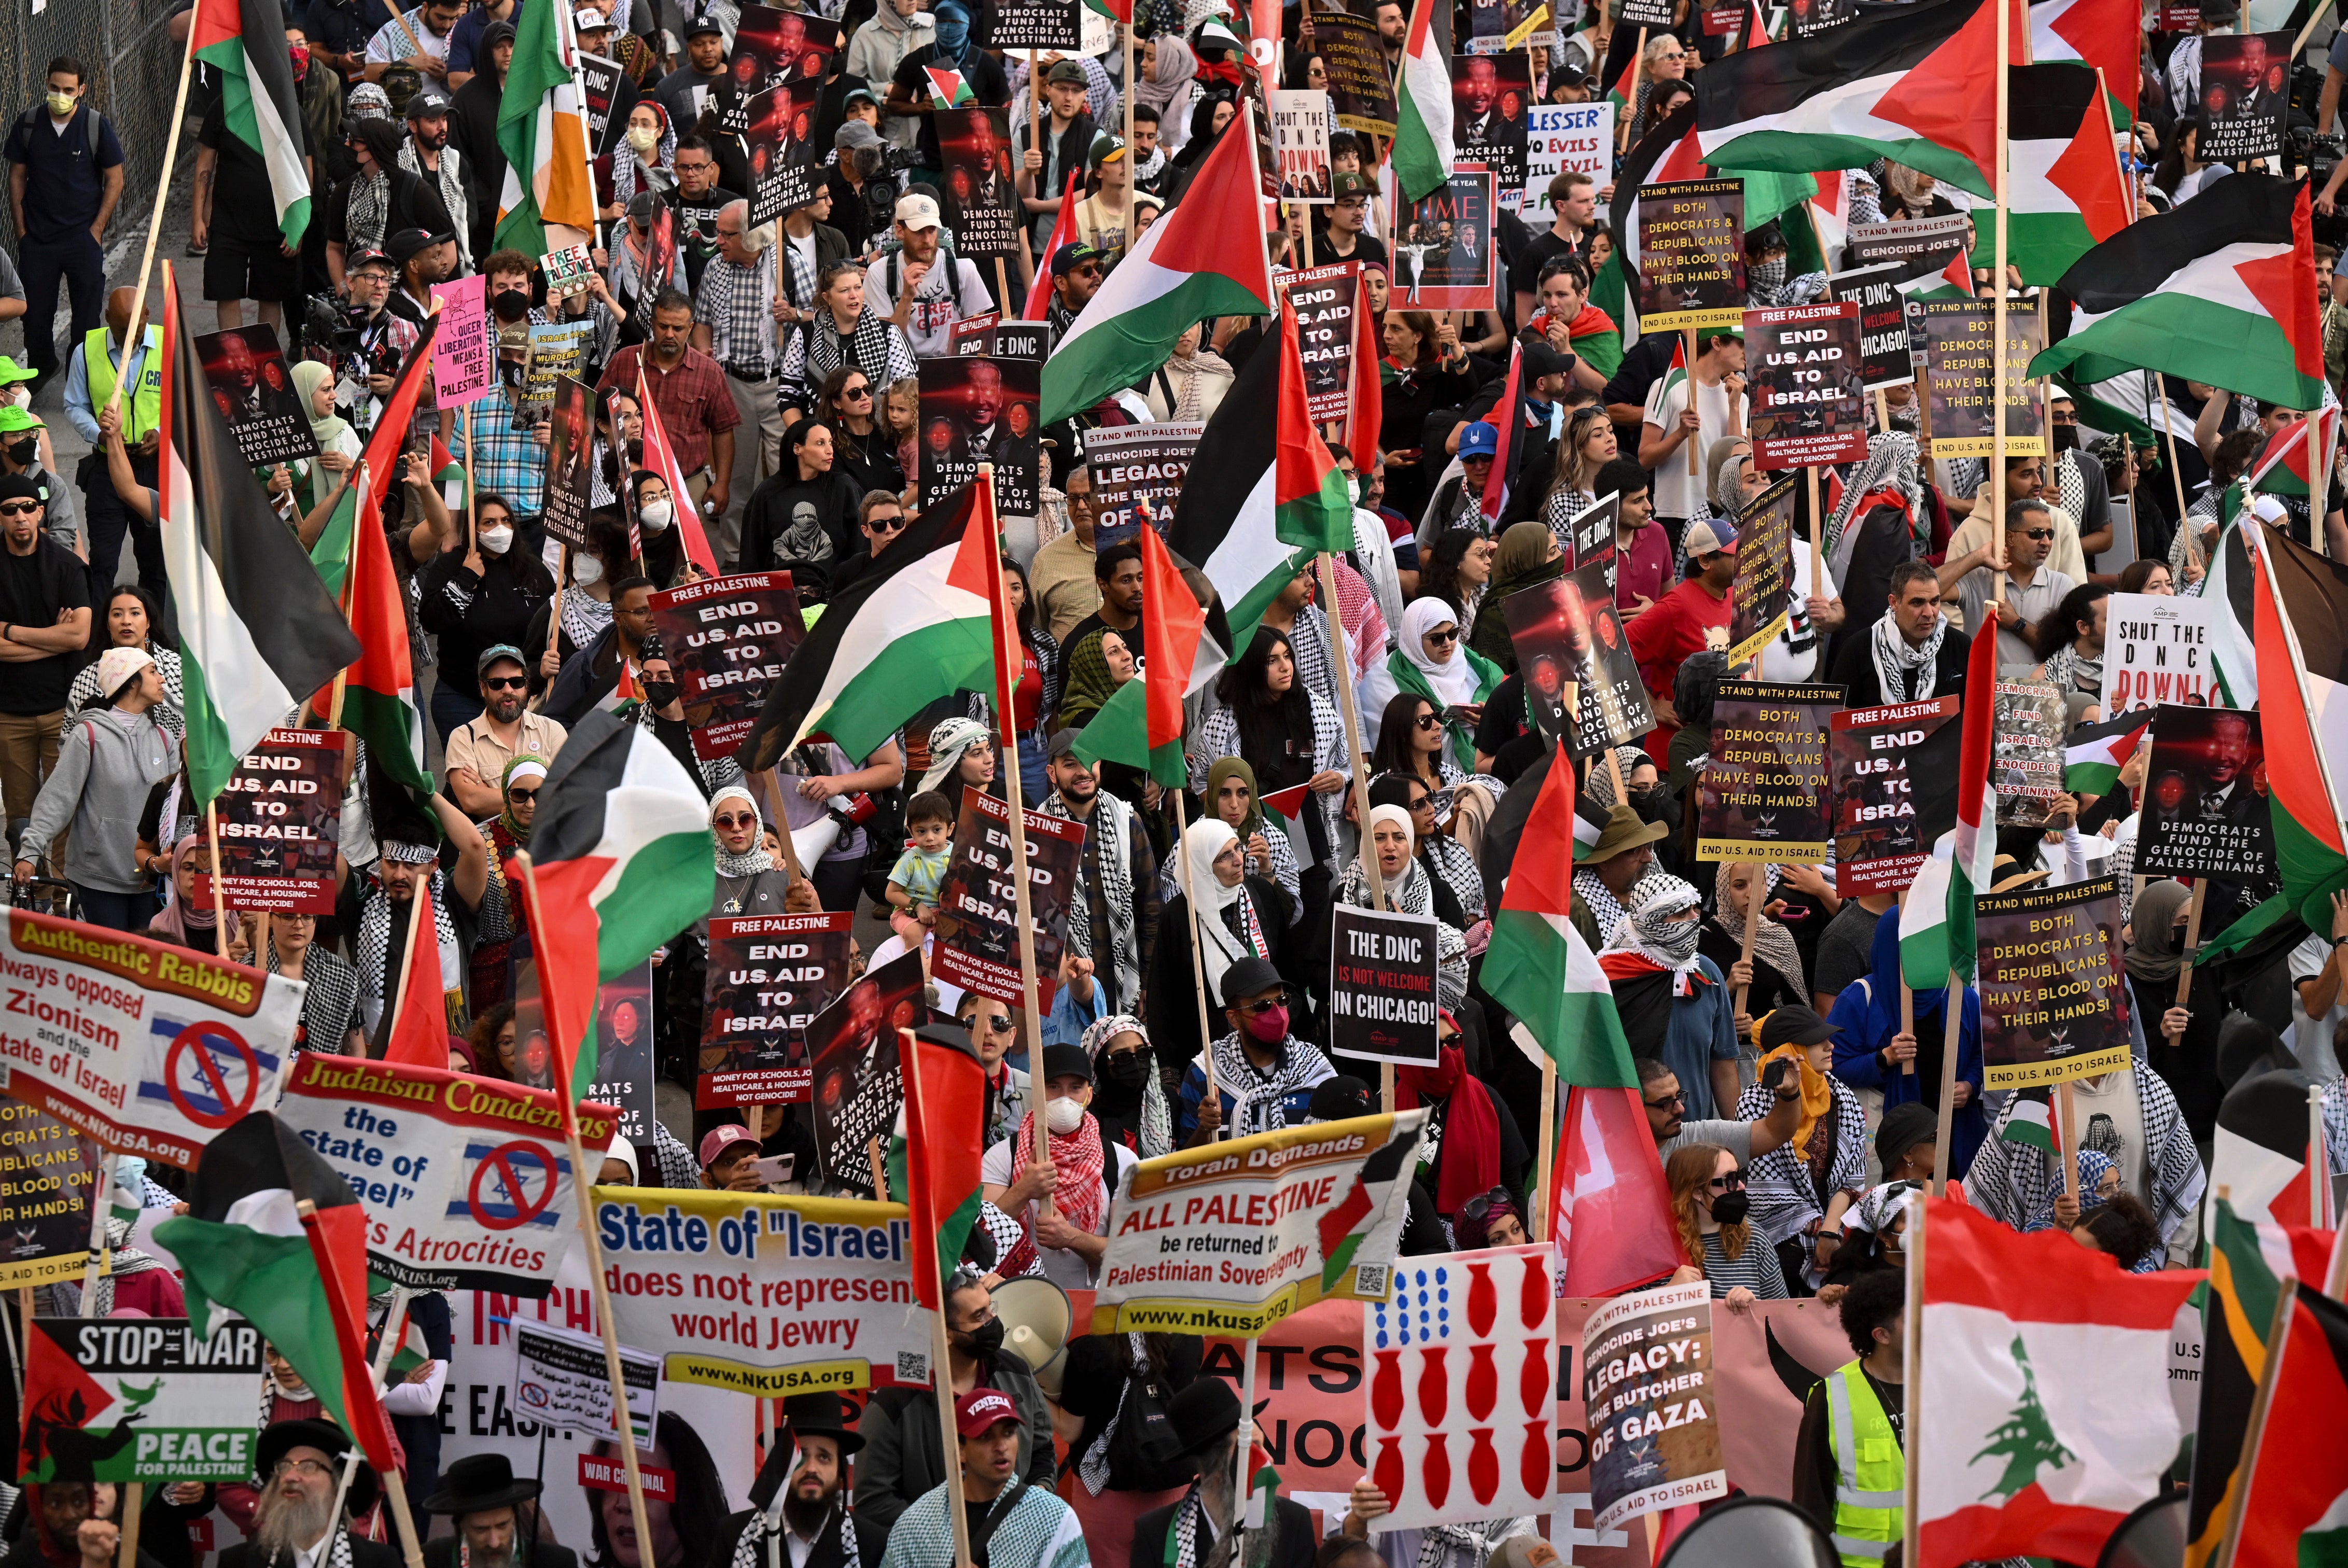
(1674, 54)
(2039, 533)
(306, 1467)
(520, 796)
(1666, 1103)
(1734, 1179)
(743, 820)
(19, 508)
(1441, 635)
(505, 683)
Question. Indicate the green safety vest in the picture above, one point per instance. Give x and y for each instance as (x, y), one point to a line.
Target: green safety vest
(144, 402)
(1871, 1485)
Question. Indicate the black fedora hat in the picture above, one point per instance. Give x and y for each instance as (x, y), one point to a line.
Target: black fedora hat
(822, 1415)
(1203, 1414)
(477, 1483)
(281, 1438)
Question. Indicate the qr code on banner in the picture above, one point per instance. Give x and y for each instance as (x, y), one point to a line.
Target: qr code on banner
(913, 1366)
(1370, 1279)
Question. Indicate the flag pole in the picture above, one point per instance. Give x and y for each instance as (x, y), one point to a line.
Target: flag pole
(2286, 1302)
(383, 1354)
(1911, 1333)
(1361, 768)
(585, 1195)
(154, 222)
(1952, 1022)
(1190, 919)
(2319, 475)
(1997, 351)
(1907, 996)
(943, 1397)
(398, 1005)
(2192, 943)
(2319, 1165)
(100, 1199)
(220, 895)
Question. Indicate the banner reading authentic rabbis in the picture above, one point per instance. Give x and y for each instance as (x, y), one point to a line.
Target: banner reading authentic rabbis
(1763, 796)
(1648, 1389)
(2055, 999)
(2157, 649)
(1879, 844)
(47, 1172)
(280, 824)
(1229, 1238)
(137, 1399)
(466, 1180)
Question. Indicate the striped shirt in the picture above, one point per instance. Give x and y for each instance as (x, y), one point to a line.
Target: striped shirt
(1756, 1269)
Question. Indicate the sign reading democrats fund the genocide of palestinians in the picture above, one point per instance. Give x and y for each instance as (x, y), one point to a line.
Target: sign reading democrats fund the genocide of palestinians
(467, 1181)
(765, 1295)
(1233, 1237)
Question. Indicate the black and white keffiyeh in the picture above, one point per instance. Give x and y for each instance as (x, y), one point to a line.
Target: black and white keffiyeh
(1906, 674)
(1785, 1197)
(1259, 1097)
(2014, 1182)
(373, 948)
(1107, 852)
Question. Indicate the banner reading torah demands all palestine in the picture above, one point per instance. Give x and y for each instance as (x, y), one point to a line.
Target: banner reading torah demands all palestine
(137, 1399)
(1648, 1394)
(466, 1180)
(765, 1295)
(2055, 999)
(1233, 1237)
(143, 1047)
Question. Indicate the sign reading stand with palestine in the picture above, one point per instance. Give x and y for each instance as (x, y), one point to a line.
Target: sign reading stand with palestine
(143, 1399)
(768, 976)
(1763, 796)
(1691, 255)
(280, 824)
(1879, 841)
(47, 1172)
(728, 639)
(1960, 366)
(1763, 594)
(2055, 998)
(1810, 395)
(1382, 986)
(1137, 472)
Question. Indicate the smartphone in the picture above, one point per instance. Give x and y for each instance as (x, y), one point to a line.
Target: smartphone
(773, 1169)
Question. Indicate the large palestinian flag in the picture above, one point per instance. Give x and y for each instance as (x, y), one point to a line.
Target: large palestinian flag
(2295, 1504)
(2220, 291)
(260, 105)
(1142, 725)
(1424, 150)
(2065, 191)
(1903, 84)
(2302, 619)
(258, 631)
(941, 1157)
(1548, 978)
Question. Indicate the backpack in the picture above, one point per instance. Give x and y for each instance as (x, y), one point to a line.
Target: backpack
(895, 269)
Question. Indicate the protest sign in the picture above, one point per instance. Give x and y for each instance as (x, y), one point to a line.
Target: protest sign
(570, 455)
(785, 174)
(139, 1399)
(1690, 255)
(1571, 648)
(974, 336)
(1325, 299)
(2245, 96)
(623, 1050)
(1724, 21)
(728, 640)
(569, 271)
(1360, 84)
(774, 48)
(1138, 473)
(1489, 93)
(2155, 650)
(2055, 998)
(1810, 400)
(47, 1172)
(461, 359)
(769, 977)
(561, 1380)
(146, 1047)
(1763, 594)
(280, 824)
(978, 936)
(852, 1045)
(1051, 25)
(246, 373)
(2026, 765)
(1558, 136)
(1648, 1394)
(1229, 1238)
(763, 1295)
(2205, 811)
(977, 409)
(981, 205)
(1877, 754)
(1865, 244)
(467, 1181)
(1961, 359)
(1300, 143)
(1461, 1398)
(1642, 13)
(1883, 342)
(599, 84)
(1496, 27)
(556, 350)
(1812, 17)
(1763, 796)
(1382, 988)
(1447, 239)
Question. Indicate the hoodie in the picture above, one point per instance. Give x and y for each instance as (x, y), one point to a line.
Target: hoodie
(109, 763)
(1867, 1015)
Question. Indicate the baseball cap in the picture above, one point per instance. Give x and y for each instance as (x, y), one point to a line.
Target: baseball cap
(1066, 1061)
(1794, 1025)
(978, 1412)
(407, 244)
(917, 212)
(720, 1139)
(704, 24)
(866, 94)
(363, 256)
(497, 32)
(1246, 977)
(1071, 256)
(1066, 71)
(11, 372)
(1105, 148)
(427, 104)
(117, 665)
(495, 652)
(645, 206)
(1479, 441)
(13, 420)
(1348, 183)
(1063, 744)
(1711, 536)
(853, 134)
(588, 20)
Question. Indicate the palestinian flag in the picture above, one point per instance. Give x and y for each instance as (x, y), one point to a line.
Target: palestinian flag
(1903, 84)
(1590, 815)
(549, 199)
(660, 458)
(943, 1149)
(2094, 754)
(2031, 1122)
(415, 1028)
(947, 88)
(1608, 1201)
(918, 627)
(2103, 34)
(1830, 212)
(2302, 619)
(622, 860)
(1366, 414)
(260, 104)
(2065, 192)
(1144, 730)
(1424, 150)
(1063, 230)
(625, 698)
(2295, 1500)
(245, 1250)
(258, 631)
(1508, 418)
(379, 468)
(1936, 924)
(1546, 975)
(2282, 468)
(1206, 257)
(2259, 1155)
(2230, 582)
(1313, 500)
(2220, 291)
(1931, 278)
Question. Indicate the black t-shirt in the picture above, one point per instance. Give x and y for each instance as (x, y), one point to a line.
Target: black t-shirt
(1539, 251)
(1368, 249)
(237, 167)
(33, 590)
(988, 85)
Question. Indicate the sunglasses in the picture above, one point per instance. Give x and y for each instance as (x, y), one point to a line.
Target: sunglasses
(2039, 533)
(1734, 1179)
(991, 1023)
(890, 524)
(1257, 1009)
(1428, 721)
(1439, 635)
(19, 508)
(1666, 1103)
(860, 393)
(1482, 1204)
(734, 822)
(519, 795)
(505, 683)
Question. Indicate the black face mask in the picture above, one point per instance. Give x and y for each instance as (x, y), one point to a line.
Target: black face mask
(660, 693)
(2066, 438)
(1127, 1068)
(1730, 1207)
(1648, 803)
(986, 1339)
(22, 453)
(511, 304)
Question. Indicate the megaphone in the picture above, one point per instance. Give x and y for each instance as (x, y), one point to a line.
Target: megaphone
(1037, 1318)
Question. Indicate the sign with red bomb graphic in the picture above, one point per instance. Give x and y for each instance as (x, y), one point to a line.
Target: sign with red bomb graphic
(1648, 1396)
(1462, 1387)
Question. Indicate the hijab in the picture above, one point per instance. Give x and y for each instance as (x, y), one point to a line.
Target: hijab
(309, 374)
(1522, 560)
(185, 917)
(1451, 679)
(530, 766)
(755, 858)
(1219, 946)
(1226, 767)
(1090, 682)
(1725, 470)
(1169, 84)
(1467, 1161)
(2153, 955)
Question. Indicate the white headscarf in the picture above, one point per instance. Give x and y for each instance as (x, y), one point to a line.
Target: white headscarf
(1219, 946)
(1452, 680)
(948, 742)
(757, 859)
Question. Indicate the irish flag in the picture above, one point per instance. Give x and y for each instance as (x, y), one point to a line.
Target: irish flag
(1141, 725)
(941, 1157)
(549, 200)
(2301, 633)
(244, 40)
(1424, 150)
(660, 458)
(1542, 971)
(1936, 925)
(1206, 257)
(2094, 754)
(2065, 191)
(917, 627)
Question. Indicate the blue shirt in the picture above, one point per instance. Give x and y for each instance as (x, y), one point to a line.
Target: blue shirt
(1703, 1031)
(466, 37)
(65, 179)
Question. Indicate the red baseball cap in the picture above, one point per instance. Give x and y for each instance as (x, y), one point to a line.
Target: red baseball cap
(720, 1139)
(977, 1412)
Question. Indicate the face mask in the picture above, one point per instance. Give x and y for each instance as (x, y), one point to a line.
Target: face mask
(657, 515)
(1730, 1207)
(496, 540)
(22, 453)
(643, 137)
(2066, 438)
(511, 304)
(1270, 1027)
(1765, 277)
(301, 54)
(62, 104)
(986, 1339)
(951, 36)
(586, 571)
(1064, 1115)
(1125, 1070)
(660, 693)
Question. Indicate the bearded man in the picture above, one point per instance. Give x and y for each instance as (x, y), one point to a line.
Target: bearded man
(294, 1524)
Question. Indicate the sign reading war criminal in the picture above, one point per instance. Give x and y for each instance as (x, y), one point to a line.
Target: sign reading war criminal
(2055, 999)
(1764, 794)
(1874, 753)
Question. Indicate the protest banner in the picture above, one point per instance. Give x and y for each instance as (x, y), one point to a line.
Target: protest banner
(1961, 359)
(1589, 537)
(138, 1399)
(774, 48)
(1763, 796)
(1360, 84)
(1446, 238)
(1300, 144)
(47, 1172)
(1488, 96)
(2055, 998)
(981, 408)
(1883, 342)
(557, 349)
(1572, 649)
(981, 205)
(728, 640)
(978, 936)
(599, 84)
(280, 825)
(1690, 255)
(1877, 754)
(2245, 96)
(2025, 763)
(1810, 400)
(1496, 27)
(973, 337)
(1812, 17)
(561, 1380)
(1461, 1399)
(1055, 25)
(852, 1045)
(1649, 1397)
(1865, 244)
(145, 1048)
(1558, 136)
(1229, 1238)
(466, 1180)
(1325, 299)
(765, 1295)
(1137, 472)
(623, 1051)
(2155, 650)
(1382, 986)
(768, 976)
(785, 172)
(1763, 594)
(2205, 811)
(462, 364)
(246, 373)
(569, 457)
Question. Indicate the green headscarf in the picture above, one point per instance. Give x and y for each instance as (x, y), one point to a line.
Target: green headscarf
(505, 802)
(1089, 685)
(1226, 767)
(1522, 561)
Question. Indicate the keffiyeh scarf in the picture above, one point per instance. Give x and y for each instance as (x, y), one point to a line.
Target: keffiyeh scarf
(584, 618)
(1107, 852)
(2013, 1181)
(1414, 893)
(1782, 1183)
(1604, 908)
(369, 208)
(1156, 1120)
(373, 952)
(1259, 1100)
(1907, 673)
(1078, 1158)
(1893, 463)
(754, 861)
(766, 1531)
(1028, 1532)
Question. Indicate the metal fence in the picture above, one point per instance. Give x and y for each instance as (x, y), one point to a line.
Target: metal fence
(134, 69)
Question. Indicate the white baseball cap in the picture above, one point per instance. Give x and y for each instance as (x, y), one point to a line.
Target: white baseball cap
(917, 212)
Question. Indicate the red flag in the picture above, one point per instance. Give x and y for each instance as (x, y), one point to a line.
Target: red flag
(1039, 297)
(1507, 416)
(943, 1089)
(415, 1027)
(660, 458)
(338, 1234)
(1612, 1207)
(1367, 413)
(566, 982)
(1010, 653)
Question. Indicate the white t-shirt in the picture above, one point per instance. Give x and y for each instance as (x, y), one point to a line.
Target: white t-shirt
(1676, 490)
(2311, 1038)
(1064, 1268)
(931, 322)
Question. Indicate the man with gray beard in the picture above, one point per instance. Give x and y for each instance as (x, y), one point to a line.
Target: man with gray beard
(496, 1516)
(294, 1525)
